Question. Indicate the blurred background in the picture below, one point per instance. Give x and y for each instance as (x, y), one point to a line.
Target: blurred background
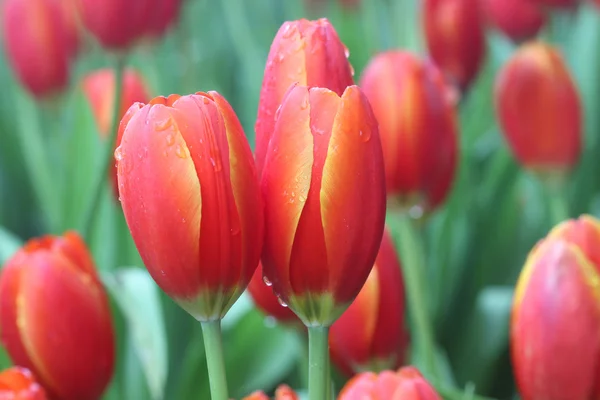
(476, 243)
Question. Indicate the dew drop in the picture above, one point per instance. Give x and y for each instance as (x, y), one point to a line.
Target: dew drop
(280, 57)
(163, 125)
(287, 31)
(364, 135)
(119, 154)
(170, 140)
(162, 272)
(346, 52)
(180, 151)
(302, 198)
(281, 302)
(277, 112)
(235, 230)
(267, 281)
(304, 104)
(205, 100)
(351, 70)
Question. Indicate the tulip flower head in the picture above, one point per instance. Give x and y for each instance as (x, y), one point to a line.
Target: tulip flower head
(455, 38)
(517, 19)
(191, 199)
(417, 126)
(371, 335)
(555, 320)
(309, 53)
(39, 44)
(405, 384)
(18, 383)
(547, 138)
(46, 275)
(324, 191)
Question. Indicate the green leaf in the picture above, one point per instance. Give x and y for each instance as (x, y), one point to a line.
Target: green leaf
(9, 244)
(138, 298)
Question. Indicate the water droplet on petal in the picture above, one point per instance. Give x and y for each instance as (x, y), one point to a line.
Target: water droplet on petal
(277, 112)
(205, 100)
(304, 104)
(365, 135)
(163, 125)
(180, 151)
(351, 70)
(170, 140)
(346, 52)
(281, 302)
(119, 154)
(267, 281)
(280, 57)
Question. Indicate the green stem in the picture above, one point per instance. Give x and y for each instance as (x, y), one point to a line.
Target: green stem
(318, 363)
(410, 250)
(558, 207)
(107, 155)
(211, 331)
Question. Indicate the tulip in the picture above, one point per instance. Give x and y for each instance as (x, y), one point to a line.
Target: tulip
(555, 320)
(283, 392)
(306, 52)
(371, 335)
(324, 190)
(417, 125)
(190, 196)
(547, 138)
(264, 298)
(405, 384)
(55, 317)
(39, 44)
(18, 383)
(517, 19)
(455, 38)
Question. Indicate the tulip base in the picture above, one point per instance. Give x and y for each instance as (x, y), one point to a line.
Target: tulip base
(318, 363)
(211, 332)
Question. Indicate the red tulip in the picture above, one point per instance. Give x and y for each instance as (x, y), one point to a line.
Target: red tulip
(18, 383)
(283, 392)
(190, 195)
(517, 19)
(455, 38)
(555, 345)
(39, 44)
(417, 125)
(546, 138)
(406, 384)
(324, 190)
(55, 318)
(264, 298)
(306, 52)
(371, 335)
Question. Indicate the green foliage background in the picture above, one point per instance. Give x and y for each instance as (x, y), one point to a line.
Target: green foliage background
(475, 245)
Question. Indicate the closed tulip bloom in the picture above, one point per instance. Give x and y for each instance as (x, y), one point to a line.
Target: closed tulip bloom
(417, 125)
(38, 44)
(283, 392)
(517, 19)
(190, 195)
(324, 190)
(306, 52)
(405, 384)
(18, 383)
(55, 318)
(555, 320)
(264, 298)
(455, 38)
(371, 335)
(547, 138)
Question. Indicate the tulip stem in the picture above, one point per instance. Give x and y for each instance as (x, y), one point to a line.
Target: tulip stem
(211, 331)
(107, 153)
(318, 363)
(410, 251)
(558, 207)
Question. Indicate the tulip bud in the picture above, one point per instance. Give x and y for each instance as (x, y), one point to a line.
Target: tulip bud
(547, 138)
(190, 195)
(55, 318)
(324, 190)
(283, 392)
(309, 53)
(556, 315)
(405, 384)
(264, 298)
(455, 38)
(417, 126)
(371, 335)
(517, 19)
(39, 44)
(18, 383)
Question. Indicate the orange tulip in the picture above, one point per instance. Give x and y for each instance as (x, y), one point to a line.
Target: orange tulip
(406, 384)
(190, 195)
(455, 38)
(547, 138)
(417, 125)
(306, 52)
(39, 44)
(555, 321)
(324, 190)
(55, 318)
(370, 334)
(517, 19)
(264, 298)
(18, 383)
(283, 392)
